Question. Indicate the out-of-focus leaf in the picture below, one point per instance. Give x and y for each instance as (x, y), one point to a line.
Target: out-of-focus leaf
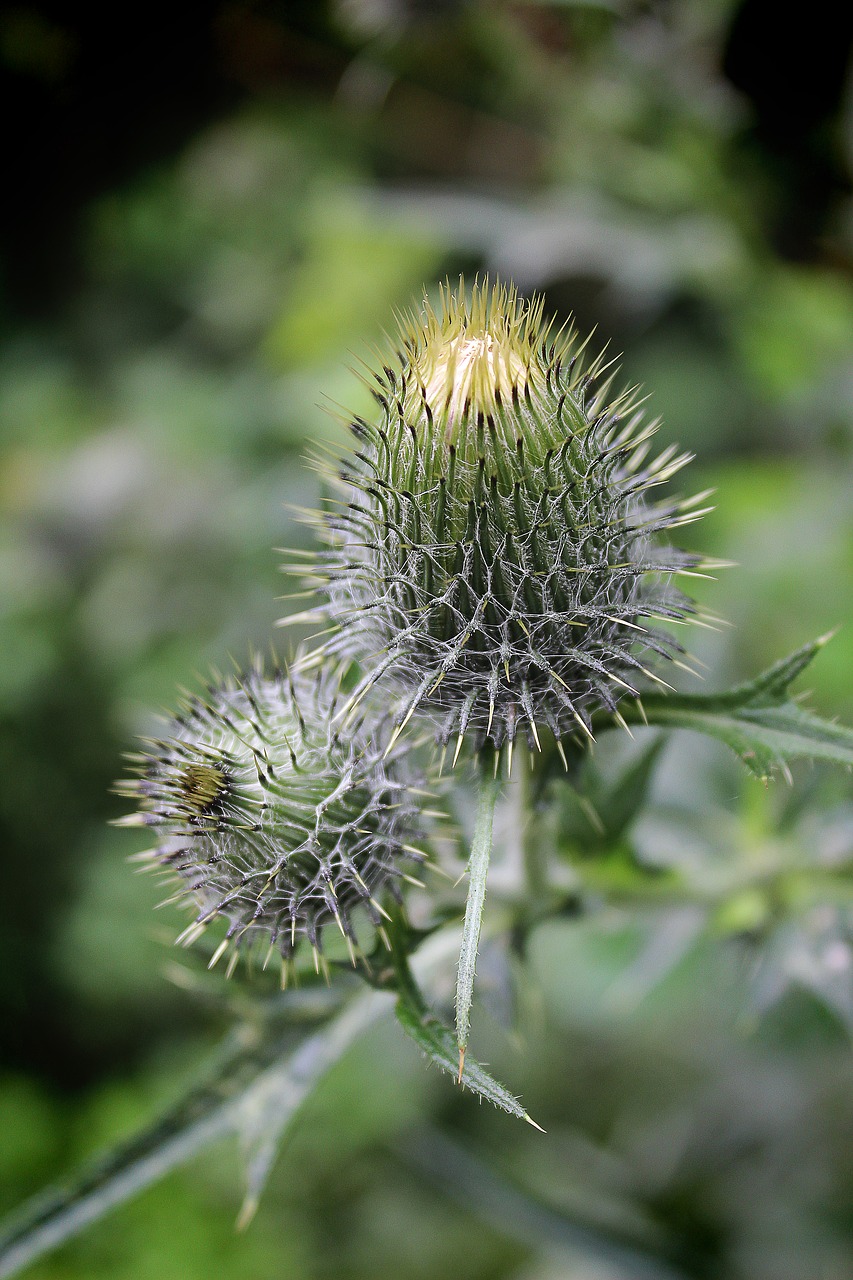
(519, 1214)
(758, 720)
(670, 937)
(596, 811)
(255, 1089)
(813, 952)
(260, 1080)
(269, 1104)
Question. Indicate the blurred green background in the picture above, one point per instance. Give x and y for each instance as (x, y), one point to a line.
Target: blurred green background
(212, 212)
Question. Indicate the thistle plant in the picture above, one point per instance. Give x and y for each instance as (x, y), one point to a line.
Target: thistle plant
(495, 567)
(273, 820)
(496, 560)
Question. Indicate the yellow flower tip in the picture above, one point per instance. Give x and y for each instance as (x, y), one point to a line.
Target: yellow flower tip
(470, 374)
(472, 354)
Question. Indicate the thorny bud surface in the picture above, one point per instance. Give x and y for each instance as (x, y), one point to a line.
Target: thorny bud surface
(495, 552)
(273, 819)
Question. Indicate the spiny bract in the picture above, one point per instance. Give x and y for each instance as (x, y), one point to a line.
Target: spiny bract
(492, 560)
(270, 817)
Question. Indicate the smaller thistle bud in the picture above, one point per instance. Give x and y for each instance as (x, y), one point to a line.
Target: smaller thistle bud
(272, 819)
(494, 563)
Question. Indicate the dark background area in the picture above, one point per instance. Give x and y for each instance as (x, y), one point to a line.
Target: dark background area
(98, 97)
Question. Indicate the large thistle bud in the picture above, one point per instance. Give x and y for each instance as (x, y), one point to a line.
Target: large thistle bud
(271, 818)
(494, 562)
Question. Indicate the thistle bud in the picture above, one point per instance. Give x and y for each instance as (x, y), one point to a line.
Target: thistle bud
(270, 818)
(494, 563)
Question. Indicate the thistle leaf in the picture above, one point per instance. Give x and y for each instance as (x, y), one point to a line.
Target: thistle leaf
(270, 1075)
(439, 1044)
(759, 719)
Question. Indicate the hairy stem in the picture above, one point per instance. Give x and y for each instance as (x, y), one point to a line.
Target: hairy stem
(478, 867)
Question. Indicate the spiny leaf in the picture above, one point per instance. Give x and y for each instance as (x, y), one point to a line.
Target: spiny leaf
(439, 1044)
(759, 720)
(771, 686)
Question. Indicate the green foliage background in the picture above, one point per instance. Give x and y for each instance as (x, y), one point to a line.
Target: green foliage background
(691, 1063)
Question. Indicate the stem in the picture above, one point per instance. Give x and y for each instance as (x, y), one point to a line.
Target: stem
(478, 867)
(534, 849)
(405, 982)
